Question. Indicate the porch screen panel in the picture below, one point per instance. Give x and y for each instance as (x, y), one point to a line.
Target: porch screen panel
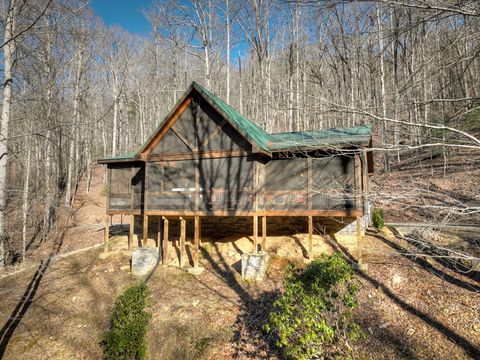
(285, 186)
(138, 187)
(171, 186)
(333, 183)
(226, 184)
(208, 121)
(120, 188)
(171, 144)
(186, 126)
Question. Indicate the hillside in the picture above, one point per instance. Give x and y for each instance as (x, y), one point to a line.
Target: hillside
(58, 307)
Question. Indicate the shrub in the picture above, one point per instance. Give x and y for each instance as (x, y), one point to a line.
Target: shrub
(126, 338)
(378, 220)
(313, 317)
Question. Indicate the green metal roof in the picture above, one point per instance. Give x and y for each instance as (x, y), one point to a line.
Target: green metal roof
(353, 136)
(287, 141)
(359, 135)
(127, 156)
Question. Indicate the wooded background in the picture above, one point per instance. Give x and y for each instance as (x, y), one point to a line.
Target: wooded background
(75, 89)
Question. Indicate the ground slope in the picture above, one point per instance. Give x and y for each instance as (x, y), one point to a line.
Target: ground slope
(59, 310)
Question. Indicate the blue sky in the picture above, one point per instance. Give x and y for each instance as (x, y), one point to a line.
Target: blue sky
(125, 13)
(128, 14)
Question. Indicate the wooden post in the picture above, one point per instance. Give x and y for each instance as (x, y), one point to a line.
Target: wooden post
(359, 235)
(159, 231)
(130, 232)
(196, 241)
(358, 183)
(199, 231)
(264, 233)
(145, 230)
(255, 234)
(365, 188)
(309, 183)
(183, 231)
(310, 237)
(106, 232)
(165, 241)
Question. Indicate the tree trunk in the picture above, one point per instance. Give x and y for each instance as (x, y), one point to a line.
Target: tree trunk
(8, 55)
(26, 180)
(72, 173)
(115, 116)
(227, 23)
(382, 82)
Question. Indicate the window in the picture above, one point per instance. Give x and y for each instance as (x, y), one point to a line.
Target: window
(120, 181)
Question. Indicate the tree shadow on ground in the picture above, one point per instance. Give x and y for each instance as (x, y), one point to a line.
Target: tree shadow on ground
(461, 341)
(440, 256)
(383, 340)
(298, 241)
(248, 338)
(427, 266)
(26, 300)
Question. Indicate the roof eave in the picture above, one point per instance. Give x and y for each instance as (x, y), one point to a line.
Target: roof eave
(117, 161)
(322, 147)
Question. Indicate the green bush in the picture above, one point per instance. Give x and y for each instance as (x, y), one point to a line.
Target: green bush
(378, 220)
(126, 338)
(313, 317)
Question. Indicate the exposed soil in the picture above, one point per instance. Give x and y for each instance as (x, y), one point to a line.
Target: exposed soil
(60, 310)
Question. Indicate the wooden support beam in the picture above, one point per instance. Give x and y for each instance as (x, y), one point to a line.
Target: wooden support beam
(159, 232)
(264, 233)
(130, 231)
(309, 183)
(310, 237)
(288, 213)
(196, 241)
(183, 232)
(255, 234)
(365, 188)
(145, 230)
(197, 185)
(106, 232)
(199, 231)
(184, 139)
(358, 183)
(146, 150)
(213, 134)
(359, 240)
(165, 241)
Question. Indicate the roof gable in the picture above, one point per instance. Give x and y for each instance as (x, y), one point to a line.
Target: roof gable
(243, 126)
(260, 140)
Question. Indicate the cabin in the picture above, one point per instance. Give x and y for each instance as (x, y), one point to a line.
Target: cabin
(206, 164)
